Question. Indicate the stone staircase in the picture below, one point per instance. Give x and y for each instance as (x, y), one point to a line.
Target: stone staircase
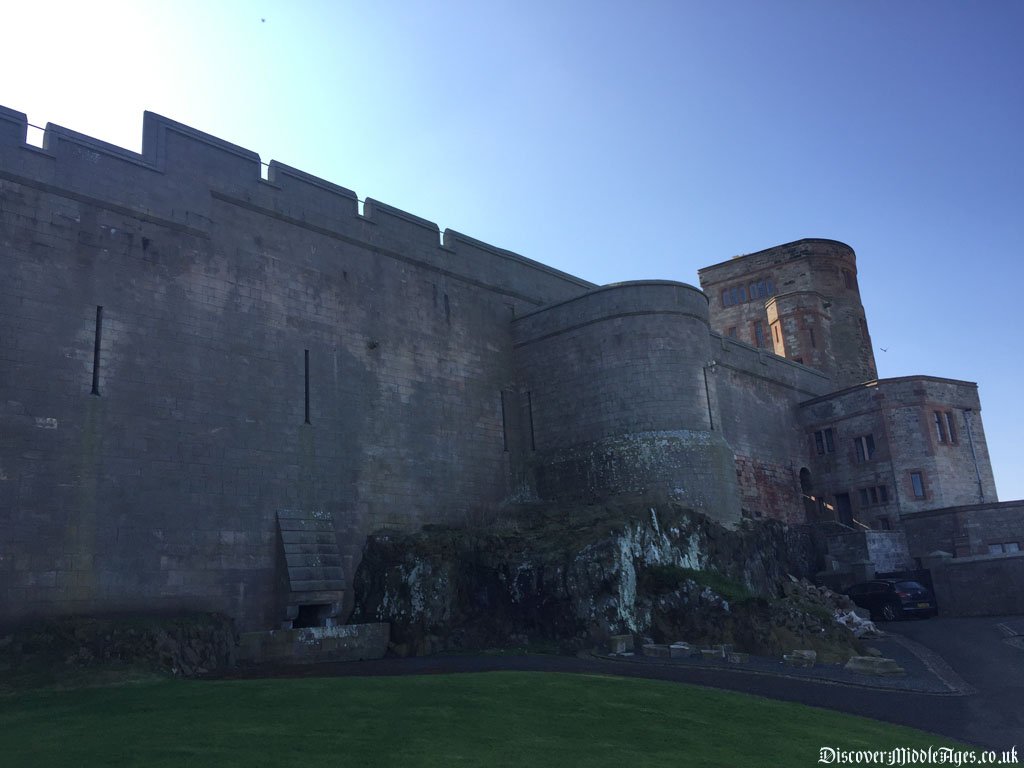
(316, 581)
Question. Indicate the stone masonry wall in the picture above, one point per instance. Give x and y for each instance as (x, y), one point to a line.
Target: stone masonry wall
(619, 402)
(886, 550)
(899, 416)
(216, 288)
(966, 530)
(980, 586)
(757, 394)
(805, 267)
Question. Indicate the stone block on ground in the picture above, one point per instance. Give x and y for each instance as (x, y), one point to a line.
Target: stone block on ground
(711, 653)
(736, 657)
(874, 665)
(621, 643)
(656, 650)
(801, 658)
(683, 650)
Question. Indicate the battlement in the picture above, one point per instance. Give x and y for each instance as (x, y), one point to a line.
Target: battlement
(803, 248)
(182, 173)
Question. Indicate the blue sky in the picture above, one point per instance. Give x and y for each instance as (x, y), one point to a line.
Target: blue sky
(618, 141)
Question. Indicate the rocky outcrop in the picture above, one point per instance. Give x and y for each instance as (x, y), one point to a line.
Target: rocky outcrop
(185, 646)
(574, 577)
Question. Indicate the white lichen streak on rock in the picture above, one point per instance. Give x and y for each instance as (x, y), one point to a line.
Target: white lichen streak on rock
(642, 546)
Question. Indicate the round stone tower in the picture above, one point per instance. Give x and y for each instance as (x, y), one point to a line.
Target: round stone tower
(620, 400)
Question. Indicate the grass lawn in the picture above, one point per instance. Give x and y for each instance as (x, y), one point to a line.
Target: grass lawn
(487, 719)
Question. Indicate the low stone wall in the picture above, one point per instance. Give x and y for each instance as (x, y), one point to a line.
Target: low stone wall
(964, 531)
(980, 586)
(886, 550)
(350, 642)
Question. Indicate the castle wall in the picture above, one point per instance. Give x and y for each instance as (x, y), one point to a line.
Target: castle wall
(980, 586)
(187, 349)
(977, 529)
(618, 398)
(757, 395)
(160, 492)
(899, 416)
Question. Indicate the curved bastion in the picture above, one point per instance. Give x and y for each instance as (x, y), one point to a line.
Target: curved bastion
(620, 399)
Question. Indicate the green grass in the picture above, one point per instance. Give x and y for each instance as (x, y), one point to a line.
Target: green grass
(488, 719)
(666, 578)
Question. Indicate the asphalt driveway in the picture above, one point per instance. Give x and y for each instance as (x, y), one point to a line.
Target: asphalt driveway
(988, 653)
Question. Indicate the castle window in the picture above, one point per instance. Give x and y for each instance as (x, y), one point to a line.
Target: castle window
(529, 410)
(917, 481)
(732, 332)
(735, 295)
(759, 337)
(307, 387)
(865, 447)
(945, 427)
(96, 352)
(762, 289)
(813, 343)
(504, 423)
(878, 494)
(1006, 546)
(824, 441)
(849, 280)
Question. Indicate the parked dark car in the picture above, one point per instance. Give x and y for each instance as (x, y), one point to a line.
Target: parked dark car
(891, 599)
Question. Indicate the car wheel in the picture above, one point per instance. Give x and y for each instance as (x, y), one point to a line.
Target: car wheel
(889, 612)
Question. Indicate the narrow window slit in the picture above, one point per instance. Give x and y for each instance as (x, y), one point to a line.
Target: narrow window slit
(504, 424)
(707, 397)
(529, 408)
(96, 352)
(307, 386)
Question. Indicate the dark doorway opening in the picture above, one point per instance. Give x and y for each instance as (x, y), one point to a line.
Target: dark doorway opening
(844, 508)
(312, 615)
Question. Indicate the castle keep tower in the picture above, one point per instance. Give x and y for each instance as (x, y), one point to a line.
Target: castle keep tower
(800, 301)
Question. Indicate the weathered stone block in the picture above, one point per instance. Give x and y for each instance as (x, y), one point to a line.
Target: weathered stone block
(683, 651)
(656, 650)
(874, 665)
(801, 658)
(620, 643)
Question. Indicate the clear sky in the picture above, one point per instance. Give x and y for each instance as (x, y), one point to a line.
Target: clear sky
(617, 141)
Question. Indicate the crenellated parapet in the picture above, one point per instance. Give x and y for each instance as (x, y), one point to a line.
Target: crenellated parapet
(182, 175)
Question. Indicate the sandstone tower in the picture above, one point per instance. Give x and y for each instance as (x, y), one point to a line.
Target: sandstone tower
(799, 300)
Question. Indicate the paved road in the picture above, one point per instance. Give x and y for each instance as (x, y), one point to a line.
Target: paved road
(985, 653)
